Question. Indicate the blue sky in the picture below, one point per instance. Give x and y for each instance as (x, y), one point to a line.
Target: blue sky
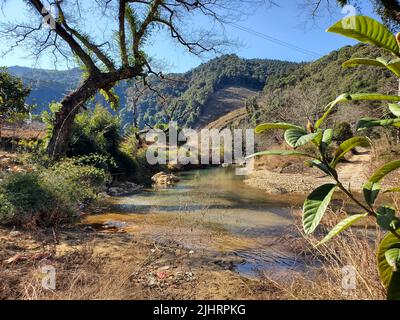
(285, 23)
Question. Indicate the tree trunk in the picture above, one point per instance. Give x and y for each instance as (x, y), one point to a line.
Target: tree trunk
(72, 103)
(65, 117)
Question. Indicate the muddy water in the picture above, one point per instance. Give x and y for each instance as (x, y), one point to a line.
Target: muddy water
(214, 212)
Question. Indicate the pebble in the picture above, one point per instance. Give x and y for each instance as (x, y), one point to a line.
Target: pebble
(15, 233)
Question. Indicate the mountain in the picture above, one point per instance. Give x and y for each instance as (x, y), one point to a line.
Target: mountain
(200, 95)
(46, 85)
(293, 95)
(204, 93)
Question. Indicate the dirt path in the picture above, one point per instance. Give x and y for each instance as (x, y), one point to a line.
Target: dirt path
(354, 173)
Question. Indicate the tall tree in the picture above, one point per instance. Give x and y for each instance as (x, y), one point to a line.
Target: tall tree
(12, 98)
(117, 55)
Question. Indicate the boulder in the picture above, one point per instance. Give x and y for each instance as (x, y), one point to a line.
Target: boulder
(163, 178)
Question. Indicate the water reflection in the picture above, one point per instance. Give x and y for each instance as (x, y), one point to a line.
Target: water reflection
(242, 221)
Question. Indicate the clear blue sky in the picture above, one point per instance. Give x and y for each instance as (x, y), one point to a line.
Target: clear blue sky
(285, 23)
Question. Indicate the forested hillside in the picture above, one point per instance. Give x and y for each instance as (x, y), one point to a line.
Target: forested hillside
(187, 94)
(46, 85)
(305, 91)
(190, 92)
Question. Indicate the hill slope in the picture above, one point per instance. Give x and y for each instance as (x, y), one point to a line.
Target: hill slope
(306, 90)
(194, 90)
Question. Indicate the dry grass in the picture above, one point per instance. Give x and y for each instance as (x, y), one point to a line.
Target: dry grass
(354, 250)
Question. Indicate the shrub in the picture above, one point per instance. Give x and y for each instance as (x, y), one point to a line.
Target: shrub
(342, 132)
(50, 196)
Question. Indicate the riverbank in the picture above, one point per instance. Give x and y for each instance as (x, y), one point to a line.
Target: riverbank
(91, 264)
(295, 178)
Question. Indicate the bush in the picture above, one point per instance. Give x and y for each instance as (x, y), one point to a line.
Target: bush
(50, 196)
(342, 132)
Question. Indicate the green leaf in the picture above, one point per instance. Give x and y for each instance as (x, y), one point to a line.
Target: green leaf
(327, 138)
(392, 190)
(347, 146)
(281, 153)
(363, 61)
(341, 226)
(395, 109)
(299, 137)
(384, 171)
(390, 241)
(386, 218)
(366, 30)
(371, 191)
(393, 66)
(354, 97)
(315, 206)
(280, 125)
(316, 163)
(393, 258)
(367, 123)
(393, 291)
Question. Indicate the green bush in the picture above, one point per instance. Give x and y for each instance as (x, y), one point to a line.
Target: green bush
(50, 196)
(342, 132)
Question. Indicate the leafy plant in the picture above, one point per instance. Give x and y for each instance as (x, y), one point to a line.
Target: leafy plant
(12, 98)
(49, 196)
(369, 31)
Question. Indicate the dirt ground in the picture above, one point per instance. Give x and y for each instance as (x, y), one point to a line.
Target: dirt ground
(91, 264)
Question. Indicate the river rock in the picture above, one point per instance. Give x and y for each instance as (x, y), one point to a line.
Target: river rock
(163, 178)
(123, 189)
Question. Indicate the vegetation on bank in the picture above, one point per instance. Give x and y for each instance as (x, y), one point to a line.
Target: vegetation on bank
(49, 196)
(297, 96)
(366, 30)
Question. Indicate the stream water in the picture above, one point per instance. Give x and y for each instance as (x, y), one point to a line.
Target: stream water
(213, 210)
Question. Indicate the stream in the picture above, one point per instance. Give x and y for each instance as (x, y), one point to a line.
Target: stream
(214, 211)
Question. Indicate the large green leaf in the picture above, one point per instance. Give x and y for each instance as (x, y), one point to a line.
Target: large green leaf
(393, 258)
(279, 125)
(395, 109)
(299, 137)
(343, 225)
(393, 66)
(363, 61)
(366, 123)
(390, 241)
(384, 171)
(315, 206)
(347, 146)
(393, 291)
(367, 30)
(346, 97)
(386, 218)
(371, 191)
(281, 153)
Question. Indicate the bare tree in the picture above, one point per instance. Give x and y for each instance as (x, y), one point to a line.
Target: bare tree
(388, 10)
(119, 54)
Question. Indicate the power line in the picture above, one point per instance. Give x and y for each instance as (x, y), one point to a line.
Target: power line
(276, 41)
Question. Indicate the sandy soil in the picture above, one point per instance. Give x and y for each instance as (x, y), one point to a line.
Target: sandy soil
(274, 182)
